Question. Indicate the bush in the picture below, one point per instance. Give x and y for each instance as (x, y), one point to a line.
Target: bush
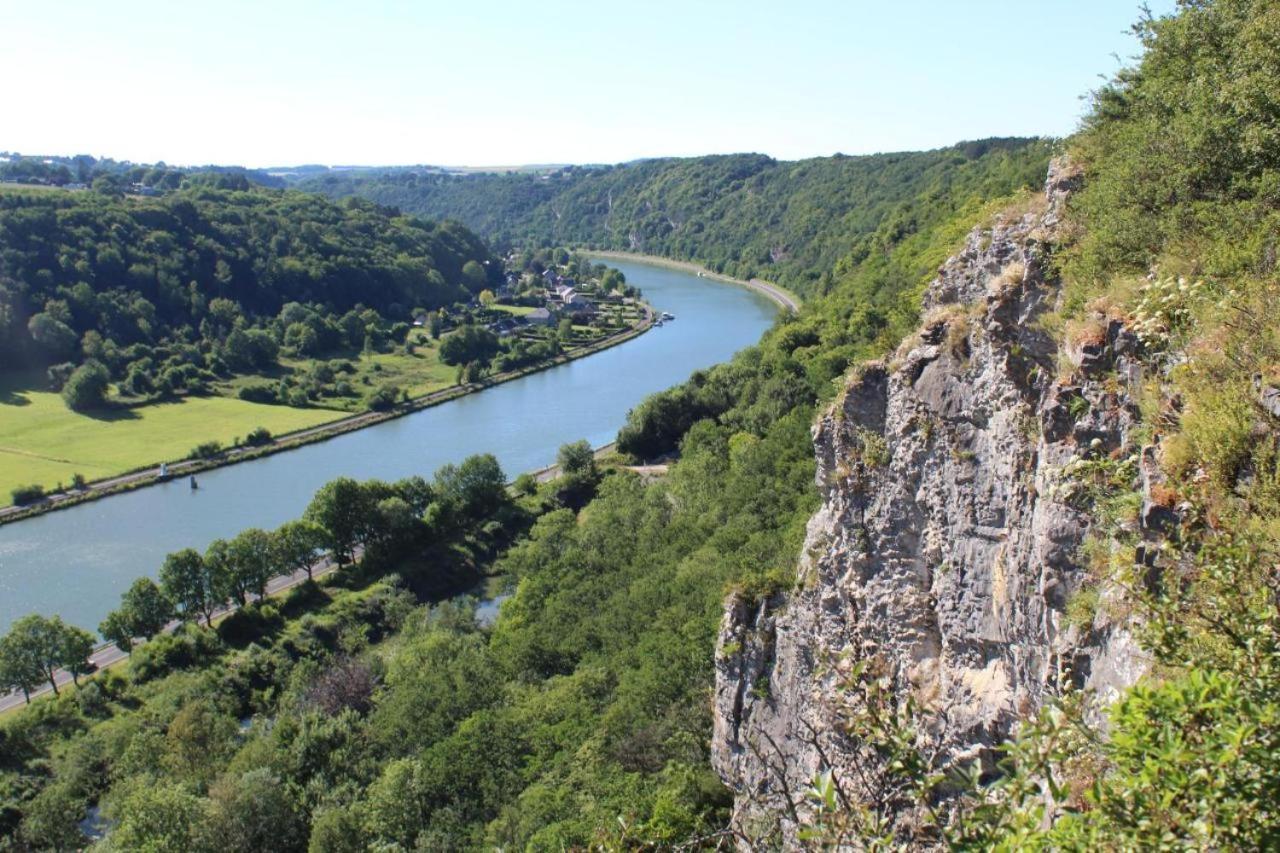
(186, 648)
(258, 437)
(27, 495)
(206, 450)
(249, 624)
(260, 393)
(86, 389)
(383, 399)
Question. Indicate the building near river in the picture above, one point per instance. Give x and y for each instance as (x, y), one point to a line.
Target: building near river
(540, 317)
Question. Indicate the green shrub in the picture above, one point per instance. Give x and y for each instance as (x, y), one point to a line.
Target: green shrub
(188, 647)
(205, 450)
(258, 437)
(27, 495)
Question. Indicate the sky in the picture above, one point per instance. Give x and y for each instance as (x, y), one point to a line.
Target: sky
(482, 83)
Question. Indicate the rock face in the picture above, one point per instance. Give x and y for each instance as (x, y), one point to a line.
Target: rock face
(948, 545)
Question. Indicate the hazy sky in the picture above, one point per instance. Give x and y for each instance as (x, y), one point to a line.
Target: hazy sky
(497, 83)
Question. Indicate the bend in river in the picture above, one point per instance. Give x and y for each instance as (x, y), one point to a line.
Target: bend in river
(76, 562)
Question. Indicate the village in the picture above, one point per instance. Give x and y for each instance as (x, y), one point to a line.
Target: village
(567, 299)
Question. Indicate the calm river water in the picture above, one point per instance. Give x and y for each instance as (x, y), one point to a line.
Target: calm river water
(77, 562)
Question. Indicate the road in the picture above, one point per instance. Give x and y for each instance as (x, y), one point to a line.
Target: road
(777, 294)
(108, 654)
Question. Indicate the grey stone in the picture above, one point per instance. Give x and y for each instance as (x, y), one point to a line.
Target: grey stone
(945, 569)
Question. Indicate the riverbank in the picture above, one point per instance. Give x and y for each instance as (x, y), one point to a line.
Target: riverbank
(776, 292)
(150, 474)
(108, 654)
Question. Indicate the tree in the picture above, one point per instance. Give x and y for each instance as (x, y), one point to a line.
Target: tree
(469, 343)
(224, 581)
(51, 819)
(474, 489)
(435, 325)
(337, 830)
(187, 582)
(578, 474)
(253, 811)
(341, 511)
(576, 459)
(144, 611)
(55, 337)
(487, 298)
(75, 647)
(19, 670)
(250, 562)
(473, 275)
(36, 644)
(296, 545)
(158, 817)
(87, 387)
(417, 491)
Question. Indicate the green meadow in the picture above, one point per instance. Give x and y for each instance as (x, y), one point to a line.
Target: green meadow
(43, 442)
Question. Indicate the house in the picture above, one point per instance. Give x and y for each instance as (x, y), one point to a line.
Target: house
(572, 300)
(503, 328)
(420, 320)
(540, 317)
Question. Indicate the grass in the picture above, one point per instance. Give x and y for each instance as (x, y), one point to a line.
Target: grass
(517, 310)
(420, 373)
(43, 442)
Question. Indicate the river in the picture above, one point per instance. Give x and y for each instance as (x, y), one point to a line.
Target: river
(76, 562)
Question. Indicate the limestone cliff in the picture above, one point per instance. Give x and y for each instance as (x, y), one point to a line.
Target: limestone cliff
(948, 544)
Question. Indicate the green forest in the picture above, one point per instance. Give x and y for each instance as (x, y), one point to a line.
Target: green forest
(744, 215)
(167, 294)
(375, 710)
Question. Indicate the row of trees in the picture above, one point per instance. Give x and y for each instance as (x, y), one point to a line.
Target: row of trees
(346, 518)
(194, 586)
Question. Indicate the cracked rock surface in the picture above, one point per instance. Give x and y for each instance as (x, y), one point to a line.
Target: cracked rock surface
(948, 542)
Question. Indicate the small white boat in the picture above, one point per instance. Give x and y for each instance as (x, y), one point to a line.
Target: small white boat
(666, 316)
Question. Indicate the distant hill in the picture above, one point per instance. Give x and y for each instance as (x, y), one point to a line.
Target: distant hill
(124, 278)
(741, 214)
(60, 170)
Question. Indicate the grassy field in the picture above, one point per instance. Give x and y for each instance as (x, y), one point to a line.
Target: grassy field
(516, 310)
(43, 442)
(420, 373)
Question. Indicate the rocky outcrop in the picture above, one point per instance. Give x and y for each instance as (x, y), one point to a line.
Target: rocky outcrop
(958, 482)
